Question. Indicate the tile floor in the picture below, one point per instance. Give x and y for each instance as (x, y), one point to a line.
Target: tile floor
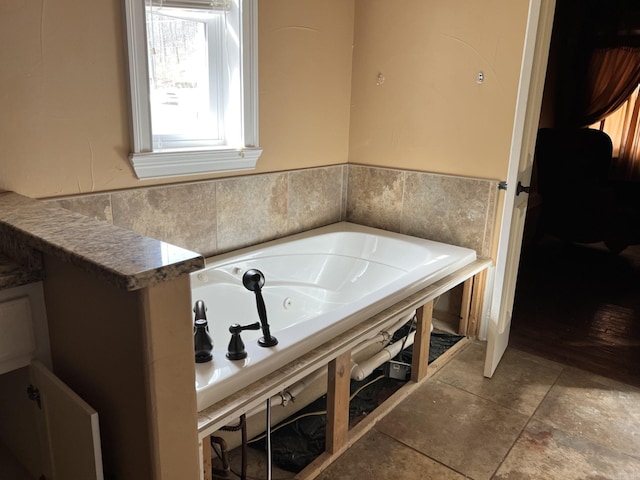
(535, 419)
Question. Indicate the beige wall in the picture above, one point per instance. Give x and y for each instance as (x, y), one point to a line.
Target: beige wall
(305, 82)
(64, 128)
(65, 123)
(430, 114)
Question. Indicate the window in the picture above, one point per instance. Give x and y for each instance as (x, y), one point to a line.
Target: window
(193, 77)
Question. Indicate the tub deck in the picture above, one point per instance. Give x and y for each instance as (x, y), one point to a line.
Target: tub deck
(335, 354)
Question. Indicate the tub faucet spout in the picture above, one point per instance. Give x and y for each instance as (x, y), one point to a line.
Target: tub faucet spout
(254, 280)
(202, 342)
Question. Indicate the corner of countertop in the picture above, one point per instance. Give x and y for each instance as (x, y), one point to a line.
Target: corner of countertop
(128, 260)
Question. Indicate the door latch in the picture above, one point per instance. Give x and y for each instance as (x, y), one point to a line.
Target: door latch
(521, 188)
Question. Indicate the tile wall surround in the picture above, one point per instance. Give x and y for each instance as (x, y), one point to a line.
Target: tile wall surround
(221, 215)
(455, 210)
(216, 216)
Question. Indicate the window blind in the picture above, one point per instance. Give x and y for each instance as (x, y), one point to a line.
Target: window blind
(224, 5)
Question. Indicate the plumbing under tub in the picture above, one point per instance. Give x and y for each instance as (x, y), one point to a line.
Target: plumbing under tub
(386, 350)
(359, 370)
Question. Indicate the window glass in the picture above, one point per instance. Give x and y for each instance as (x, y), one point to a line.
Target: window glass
(193, 69)
(184, 105)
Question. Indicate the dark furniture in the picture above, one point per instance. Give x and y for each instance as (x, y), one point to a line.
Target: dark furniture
(579, 202)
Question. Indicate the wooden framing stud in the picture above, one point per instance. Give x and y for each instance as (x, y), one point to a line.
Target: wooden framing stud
(467, 291)
(338, 384)
(207, 463)
(476, 304)
(421, 342)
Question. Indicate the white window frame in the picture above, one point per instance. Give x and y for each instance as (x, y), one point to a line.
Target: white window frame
(191, 161)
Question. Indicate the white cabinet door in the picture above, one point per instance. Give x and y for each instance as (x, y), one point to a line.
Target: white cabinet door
(70, 433)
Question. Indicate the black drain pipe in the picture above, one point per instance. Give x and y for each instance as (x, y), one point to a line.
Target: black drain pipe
(223, 446)
(224, 457)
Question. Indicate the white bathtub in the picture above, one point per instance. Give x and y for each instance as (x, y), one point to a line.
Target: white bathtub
(318, 285)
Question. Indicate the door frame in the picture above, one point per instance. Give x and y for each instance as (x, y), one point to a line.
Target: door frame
(525, 125)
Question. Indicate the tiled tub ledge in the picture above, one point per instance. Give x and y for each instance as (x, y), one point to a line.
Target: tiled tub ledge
(121, 257)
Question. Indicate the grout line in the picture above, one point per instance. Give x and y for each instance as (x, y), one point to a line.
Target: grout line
(449, 467)
(529, 421)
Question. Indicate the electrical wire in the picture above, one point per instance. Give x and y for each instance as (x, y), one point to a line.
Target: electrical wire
(353, 395)
(406, 337)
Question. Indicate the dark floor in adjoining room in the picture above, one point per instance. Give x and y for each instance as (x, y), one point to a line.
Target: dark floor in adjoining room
(580, 305)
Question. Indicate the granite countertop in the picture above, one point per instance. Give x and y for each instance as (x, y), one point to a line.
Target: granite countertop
(121, 257)
(13, 274)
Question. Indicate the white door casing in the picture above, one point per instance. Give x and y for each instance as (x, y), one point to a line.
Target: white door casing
(525, 127)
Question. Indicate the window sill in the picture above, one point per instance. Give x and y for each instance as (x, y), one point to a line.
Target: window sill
(170, 164)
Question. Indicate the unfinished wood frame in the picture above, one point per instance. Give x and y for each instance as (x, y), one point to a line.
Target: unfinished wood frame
(421, 343)
(207, 458)
(473, 294)
(338, 436)
(338, 383)
(471, 310)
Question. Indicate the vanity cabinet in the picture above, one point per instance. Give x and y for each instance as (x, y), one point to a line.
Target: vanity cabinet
(44, 425)
(118, 310)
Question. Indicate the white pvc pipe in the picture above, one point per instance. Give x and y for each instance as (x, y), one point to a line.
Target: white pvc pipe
(384, 336)
(381, 338)
(362, 370)
(289, 394)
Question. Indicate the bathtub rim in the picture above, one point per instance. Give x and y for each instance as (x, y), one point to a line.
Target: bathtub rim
(219, 258)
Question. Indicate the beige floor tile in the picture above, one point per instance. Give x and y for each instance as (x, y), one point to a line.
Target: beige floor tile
(520, 382)
(545, 453)
(378, 457)
(468, 433)
(459, 424)
(596, 408)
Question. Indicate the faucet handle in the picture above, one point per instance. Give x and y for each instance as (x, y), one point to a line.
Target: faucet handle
(236, 350)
